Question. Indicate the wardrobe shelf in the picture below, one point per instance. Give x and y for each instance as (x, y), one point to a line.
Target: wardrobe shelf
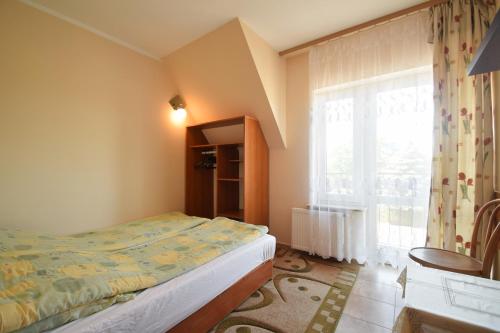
(233, 214)
(230, 179)
(204, 146)
(238, 185)
(236, 144)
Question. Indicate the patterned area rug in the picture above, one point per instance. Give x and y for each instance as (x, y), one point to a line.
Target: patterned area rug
(306, 294)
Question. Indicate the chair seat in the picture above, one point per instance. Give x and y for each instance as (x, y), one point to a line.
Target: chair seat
(446, 260)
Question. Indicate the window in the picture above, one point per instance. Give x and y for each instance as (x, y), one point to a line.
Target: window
(372, 146)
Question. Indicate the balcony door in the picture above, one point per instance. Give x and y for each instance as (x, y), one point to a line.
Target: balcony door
(372, 148)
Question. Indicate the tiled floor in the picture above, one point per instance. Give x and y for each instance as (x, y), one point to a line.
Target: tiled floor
(374, 302)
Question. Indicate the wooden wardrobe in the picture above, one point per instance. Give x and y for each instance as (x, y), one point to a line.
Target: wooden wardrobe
(226, 178)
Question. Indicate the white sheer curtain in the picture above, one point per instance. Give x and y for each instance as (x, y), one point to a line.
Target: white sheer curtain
(371, 132)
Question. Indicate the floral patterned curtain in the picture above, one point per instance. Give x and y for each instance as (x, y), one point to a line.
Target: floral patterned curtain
(462, 167)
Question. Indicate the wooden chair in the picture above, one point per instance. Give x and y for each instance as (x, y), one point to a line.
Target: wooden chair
(460, 263)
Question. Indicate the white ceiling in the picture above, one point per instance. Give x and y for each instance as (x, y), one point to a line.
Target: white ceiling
(159, 27)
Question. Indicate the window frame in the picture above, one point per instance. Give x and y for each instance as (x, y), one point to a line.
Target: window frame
(364, 148)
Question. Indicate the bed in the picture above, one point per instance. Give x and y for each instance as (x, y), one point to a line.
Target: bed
(190, 302)
(157, 309)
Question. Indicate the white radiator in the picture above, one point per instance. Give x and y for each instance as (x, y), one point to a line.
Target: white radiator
(339, 234)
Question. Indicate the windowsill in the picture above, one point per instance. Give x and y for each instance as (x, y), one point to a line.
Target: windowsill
(336, 208)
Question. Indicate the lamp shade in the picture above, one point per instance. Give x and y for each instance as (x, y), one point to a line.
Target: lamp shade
(177, 102)
(487, 58)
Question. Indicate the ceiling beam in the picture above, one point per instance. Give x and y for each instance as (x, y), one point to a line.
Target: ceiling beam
(362, 26)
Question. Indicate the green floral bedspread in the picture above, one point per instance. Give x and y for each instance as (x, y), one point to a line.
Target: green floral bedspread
(47, 280)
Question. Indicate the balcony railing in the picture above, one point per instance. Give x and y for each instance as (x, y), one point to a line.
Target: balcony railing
(400, 199)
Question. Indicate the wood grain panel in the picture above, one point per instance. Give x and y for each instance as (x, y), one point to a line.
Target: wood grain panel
(252, 181)
(228, 196)
(212, 313)
(256, 171)
(225, 168)
(199, 197)
(221, 123)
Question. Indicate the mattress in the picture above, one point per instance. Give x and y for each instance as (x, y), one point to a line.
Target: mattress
(160, 308)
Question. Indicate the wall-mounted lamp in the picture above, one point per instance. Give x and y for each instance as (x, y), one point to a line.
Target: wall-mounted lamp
(179, 113)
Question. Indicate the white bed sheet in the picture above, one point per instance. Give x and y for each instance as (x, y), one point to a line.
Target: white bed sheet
(160, 308)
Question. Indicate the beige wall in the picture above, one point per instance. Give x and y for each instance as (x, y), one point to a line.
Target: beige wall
(85, 137)
(272, 72)
(218, 77)
(289, 175)
(289, 167)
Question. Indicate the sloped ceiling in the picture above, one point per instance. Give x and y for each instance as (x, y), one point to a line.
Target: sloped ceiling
(218, 76)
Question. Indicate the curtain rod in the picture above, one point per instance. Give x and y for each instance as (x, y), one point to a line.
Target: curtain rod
(364, 25)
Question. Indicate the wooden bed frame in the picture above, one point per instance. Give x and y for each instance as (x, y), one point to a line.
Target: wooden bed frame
(218, 308)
